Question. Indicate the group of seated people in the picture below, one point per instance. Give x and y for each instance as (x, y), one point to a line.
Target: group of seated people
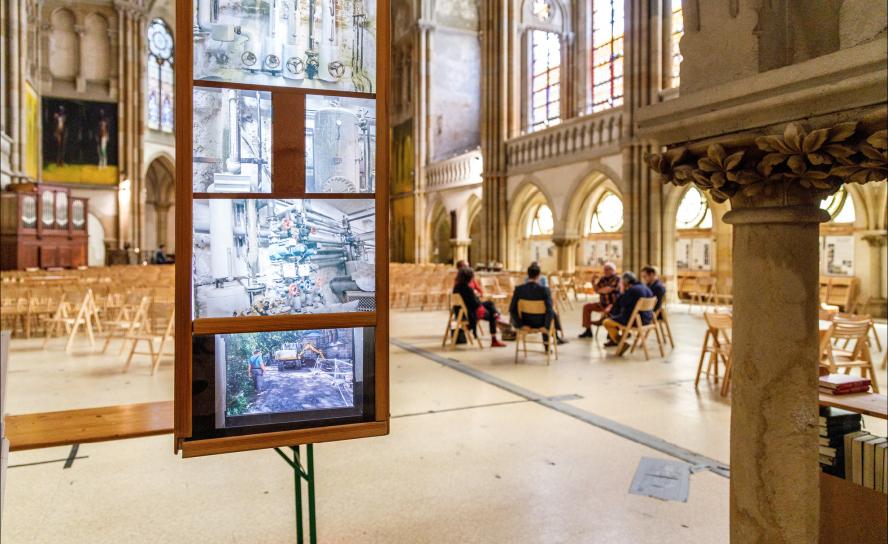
(532, 289)
(618, 295)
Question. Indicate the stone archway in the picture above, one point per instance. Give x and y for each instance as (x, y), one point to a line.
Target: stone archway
(160, 187)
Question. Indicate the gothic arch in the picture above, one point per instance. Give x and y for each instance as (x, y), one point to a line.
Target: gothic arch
(160, 195)
(529, 194)
(587, 192)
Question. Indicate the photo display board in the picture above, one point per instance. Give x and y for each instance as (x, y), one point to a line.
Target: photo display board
(281, 256)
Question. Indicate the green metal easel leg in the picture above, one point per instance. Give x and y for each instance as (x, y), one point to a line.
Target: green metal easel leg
(303, 473)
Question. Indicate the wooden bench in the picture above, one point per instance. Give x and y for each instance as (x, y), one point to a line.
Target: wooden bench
(49, 429)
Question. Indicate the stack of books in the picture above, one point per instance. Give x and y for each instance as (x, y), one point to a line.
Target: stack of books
(835, 425)
(843, 384)
(866, 460)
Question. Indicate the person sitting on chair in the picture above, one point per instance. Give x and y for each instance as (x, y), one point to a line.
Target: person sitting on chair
(650, 278)
(608, 289)
(532, 289)
(475, 308)
(633, 290)
(474, 283)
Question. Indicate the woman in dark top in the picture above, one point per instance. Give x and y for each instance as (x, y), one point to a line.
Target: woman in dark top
(475, 308)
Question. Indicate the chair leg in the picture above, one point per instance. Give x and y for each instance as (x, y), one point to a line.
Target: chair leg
(726, 383)
(644, 345)
(876, 336)
(872, 376)
(517, 345)
(660, 340)
(669, 333)
(700, 363)
(132, 352)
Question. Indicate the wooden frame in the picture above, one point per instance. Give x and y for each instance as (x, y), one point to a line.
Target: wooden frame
(288, 152)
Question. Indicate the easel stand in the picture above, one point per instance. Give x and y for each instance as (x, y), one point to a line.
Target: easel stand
(303, 473)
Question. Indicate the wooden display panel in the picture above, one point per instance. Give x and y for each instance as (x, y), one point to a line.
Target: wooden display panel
(288, 182)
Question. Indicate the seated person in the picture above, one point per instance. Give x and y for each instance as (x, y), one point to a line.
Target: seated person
(475, 308)
(633, 290)
(474, 283)
(532, 289)
(608, 289)
(542, 280)
(650, 278)
(160, 256)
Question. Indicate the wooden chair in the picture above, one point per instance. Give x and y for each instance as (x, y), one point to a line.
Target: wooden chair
(559, 294)
(458, 320)
(70, 316)
(705, 293)
(144, 333)
(637, 328)
(128, 322)
(717, 345)
(663, 323)
(856, 332)
(535, 308)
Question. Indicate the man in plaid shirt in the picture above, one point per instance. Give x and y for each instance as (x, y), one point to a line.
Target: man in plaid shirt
(608, 289)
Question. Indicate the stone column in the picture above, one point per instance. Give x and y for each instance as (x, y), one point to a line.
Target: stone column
(877, 301)
(774, 385)
(495, 100)
(566, 252)
(459, 249)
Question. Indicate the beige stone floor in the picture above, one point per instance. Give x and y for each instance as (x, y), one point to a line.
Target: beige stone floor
(465, 462)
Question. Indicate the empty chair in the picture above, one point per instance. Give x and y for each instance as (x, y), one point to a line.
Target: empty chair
(717, 346)
(856, 333)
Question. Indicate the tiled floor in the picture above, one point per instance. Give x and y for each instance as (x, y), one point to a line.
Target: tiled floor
(466, 461)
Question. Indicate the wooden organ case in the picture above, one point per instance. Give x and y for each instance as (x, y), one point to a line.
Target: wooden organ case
(42, 226)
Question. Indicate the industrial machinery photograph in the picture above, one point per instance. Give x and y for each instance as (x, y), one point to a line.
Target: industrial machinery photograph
(340, 143)
(256, 257)
(327, 44)
(232, 141)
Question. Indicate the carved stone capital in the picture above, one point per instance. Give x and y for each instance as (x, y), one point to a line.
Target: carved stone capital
(878, 239)
(566, 241)
(774, 166)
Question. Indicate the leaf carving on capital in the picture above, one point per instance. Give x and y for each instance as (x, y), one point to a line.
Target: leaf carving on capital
(819, 160)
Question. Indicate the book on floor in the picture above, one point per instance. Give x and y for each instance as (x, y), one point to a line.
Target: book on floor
(881, 450)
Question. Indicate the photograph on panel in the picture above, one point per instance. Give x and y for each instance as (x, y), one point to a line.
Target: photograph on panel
(321, 44)
(340, 144)
(286, 372)
(257, 257)
(232, 141)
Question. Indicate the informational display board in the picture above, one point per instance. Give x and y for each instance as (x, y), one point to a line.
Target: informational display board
(281, 256)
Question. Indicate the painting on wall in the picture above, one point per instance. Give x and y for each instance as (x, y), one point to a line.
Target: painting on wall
(596, 252)
(79, 141)
(32, 132)
(837, 255)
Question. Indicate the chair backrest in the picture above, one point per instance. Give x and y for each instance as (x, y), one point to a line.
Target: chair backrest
(456, 300)
(646, 304)
(718, 322)
(531, 307)
(850, 329)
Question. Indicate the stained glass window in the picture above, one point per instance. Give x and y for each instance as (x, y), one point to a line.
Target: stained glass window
(542, 222)
(607, 54)
(545, 79)
(608, 215)
(677, 33)
(693, 211)
(159, 101)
